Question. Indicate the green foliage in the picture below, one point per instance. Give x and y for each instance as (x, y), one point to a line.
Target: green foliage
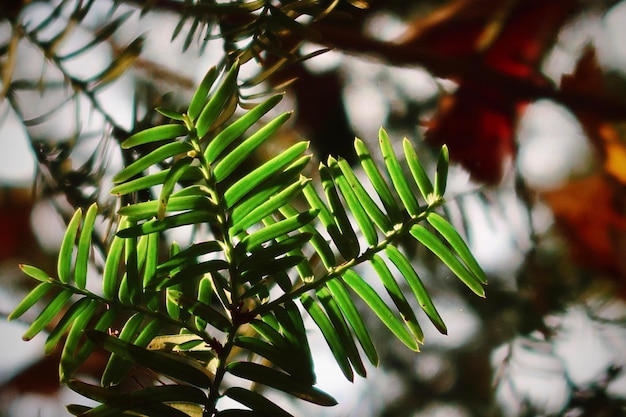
(270, 248)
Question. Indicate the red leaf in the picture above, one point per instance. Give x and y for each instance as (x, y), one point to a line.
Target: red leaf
(16, 238)
(478, 122)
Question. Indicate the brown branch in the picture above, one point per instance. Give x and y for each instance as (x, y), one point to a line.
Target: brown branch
(445, 66)
(350, 39)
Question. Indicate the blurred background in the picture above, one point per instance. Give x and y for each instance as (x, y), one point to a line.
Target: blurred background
(529, 96)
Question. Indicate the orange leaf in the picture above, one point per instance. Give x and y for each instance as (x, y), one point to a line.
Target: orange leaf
(585, 211)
